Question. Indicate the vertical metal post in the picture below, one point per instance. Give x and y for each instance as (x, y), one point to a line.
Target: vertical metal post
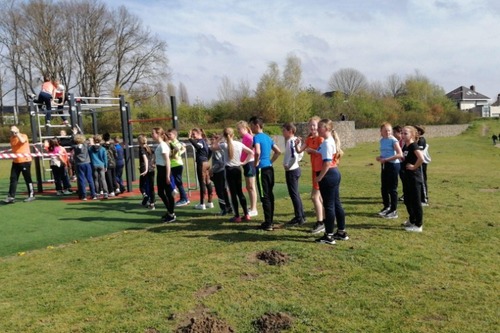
(127, 143)
(173, 106)
(33, 109)
(131, 140)
(79, 117)
(73, 119)
(95, 129)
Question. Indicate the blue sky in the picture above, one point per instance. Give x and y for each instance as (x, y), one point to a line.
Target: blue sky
(452, 42)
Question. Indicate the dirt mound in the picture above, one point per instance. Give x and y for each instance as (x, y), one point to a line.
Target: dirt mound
(207, 291)
(273, 322)
(273, 257)
(151, 330)
(206, 324)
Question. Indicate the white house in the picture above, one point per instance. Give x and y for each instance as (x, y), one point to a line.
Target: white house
(495, 108)
(468, 98)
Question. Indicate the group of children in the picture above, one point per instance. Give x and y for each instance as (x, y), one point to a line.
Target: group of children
(224, 161)
(98, 164)
(402, 156)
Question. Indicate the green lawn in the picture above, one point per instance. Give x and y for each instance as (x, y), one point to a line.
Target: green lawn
(108, 266)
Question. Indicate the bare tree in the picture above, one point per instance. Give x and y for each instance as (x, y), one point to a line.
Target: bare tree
(292, 75)
(91, 42)
(394, 85)
(349, 81)
(183, 94)
(138, 55)
(226, 90)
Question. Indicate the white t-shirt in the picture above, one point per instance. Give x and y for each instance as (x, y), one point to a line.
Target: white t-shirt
(161, 149)
(328, 149)
(237, 149)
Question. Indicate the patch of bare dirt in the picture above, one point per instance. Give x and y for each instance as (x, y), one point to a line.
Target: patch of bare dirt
(273, 322)
(207, 291)
(249, 276)
(200, 320)
(273, 257)
(489, 190)
(151, 330)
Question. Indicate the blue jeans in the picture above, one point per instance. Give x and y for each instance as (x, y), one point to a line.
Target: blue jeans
(84, 172)
(46, 99)
(292, 183)
(329, 187)
(176, 174)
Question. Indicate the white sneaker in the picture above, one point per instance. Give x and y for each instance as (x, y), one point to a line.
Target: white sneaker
(210, 205)
(414, 228)
(253, 213)
(200, 207)
(112, 194)
(9, 200)
(175, 192)
(391, 215)
(59, 193)
(406, 224)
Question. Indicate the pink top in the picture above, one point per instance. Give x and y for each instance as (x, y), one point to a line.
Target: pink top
(247, 140)
(48, 87)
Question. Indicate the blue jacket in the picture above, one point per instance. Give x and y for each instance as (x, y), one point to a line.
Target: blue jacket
(98, 156)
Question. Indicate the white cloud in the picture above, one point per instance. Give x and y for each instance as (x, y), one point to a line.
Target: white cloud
(453, 42)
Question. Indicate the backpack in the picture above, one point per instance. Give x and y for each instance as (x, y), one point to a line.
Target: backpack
(111, 153)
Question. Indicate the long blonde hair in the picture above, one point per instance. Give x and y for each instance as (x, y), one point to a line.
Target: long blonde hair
(161, 133)
(228, 134)
(143, 142)
(244, 124)
(329, 126)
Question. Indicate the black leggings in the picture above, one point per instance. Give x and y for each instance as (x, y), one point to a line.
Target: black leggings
(234, 177)
(164, 190)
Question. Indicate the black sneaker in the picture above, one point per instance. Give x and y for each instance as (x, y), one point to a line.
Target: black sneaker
(145, 200)
(266, 226)
(168, 218)
(318, 227)
(293, 222)
(326, 239)
(341, 235)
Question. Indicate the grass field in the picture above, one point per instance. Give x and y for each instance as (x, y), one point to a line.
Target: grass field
(108, 266)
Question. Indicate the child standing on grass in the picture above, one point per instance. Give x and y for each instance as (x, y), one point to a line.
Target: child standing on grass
(218, 176)
(198, 139)
(177, 165)
(310, 146)
(390, 155)
(83, 167)
(120, 164)
(162, 160)
(58, 162)
(146, 172)
(293, 173)
(249, 167)
(329, 184)
(411, 174)
(263, 146)
(111, 167)
(232, 155)
(99, 161)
